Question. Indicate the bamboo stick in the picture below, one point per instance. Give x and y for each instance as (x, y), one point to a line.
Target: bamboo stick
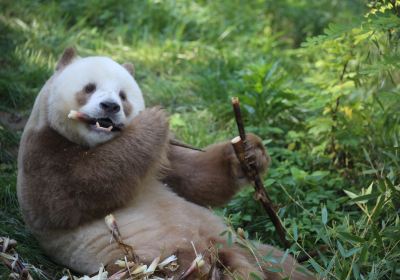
(247, 160)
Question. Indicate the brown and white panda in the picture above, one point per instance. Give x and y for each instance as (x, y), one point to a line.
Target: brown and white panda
(72, 173)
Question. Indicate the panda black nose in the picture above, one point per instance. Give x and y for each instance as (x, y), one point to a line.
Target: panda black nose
(110, 107)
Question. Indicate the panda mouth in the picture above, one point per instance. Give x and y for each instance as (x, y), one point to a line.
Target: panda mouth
(104, 124)
(97, 124)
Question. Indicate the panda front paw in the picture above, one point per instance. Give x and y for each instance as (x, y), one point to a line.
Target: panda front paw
(256, 155)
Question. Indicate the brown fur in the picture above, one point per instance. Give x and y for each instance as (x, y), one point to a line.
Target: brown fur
(81, 97)
(290, 267)
(130, 68)
(65, 190)
(127, 107)
(60, 186)
(214, 176)
(77, 173)
(67, 57)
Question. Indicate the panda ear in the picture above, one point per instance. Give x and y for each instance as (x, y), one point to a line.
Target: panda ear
(67, 57)
(130, 68)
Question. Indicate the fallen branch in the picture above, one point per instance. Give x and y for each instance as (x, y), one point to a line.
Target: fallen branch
(246, 157)
(11, 259)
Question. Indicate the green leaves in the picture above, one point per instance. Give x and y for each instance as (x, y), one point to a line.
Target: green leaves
(295, 232)
(337, 164)
(351, 237)
(324, 215)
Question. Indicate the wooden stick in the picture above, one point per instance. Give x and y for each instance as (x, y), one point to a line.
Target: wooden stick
(246, 157)
(238, 117)
(175, 142)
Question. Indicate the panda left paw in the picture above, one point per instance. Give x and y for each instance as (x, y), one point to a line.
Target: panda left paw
(256, 154)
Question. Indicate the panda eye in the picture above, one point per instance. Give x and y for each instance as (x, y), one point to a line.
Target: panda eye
(90, 88)
(122, 94)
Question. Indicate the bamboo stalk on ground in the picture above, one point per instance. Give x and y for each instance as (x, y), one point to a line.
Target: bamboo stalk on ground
(116, 234)
(10, 258)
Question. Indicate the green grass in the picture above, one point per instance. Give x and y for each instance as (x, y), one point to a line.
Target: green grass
(318, 81)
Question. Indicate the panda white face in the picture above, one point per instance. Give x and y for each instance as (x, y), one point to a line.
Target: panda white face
(99, 89)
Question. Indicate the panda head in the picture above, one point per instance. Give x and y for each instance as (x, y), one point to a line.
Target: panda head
(98, 88)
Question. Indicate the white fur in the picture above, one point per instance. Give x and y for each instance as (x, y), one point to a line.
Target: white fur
(110, 78)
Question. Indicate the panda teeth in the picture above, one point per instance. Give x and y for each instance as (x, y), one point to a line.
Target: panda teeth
(98, 126)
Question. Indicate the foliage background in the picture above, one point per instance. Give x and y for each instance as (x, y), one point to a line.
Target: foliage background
(318, 81)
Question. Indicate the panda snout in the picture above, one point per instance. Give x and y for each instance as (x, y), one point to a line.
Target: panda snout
(110, 107)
